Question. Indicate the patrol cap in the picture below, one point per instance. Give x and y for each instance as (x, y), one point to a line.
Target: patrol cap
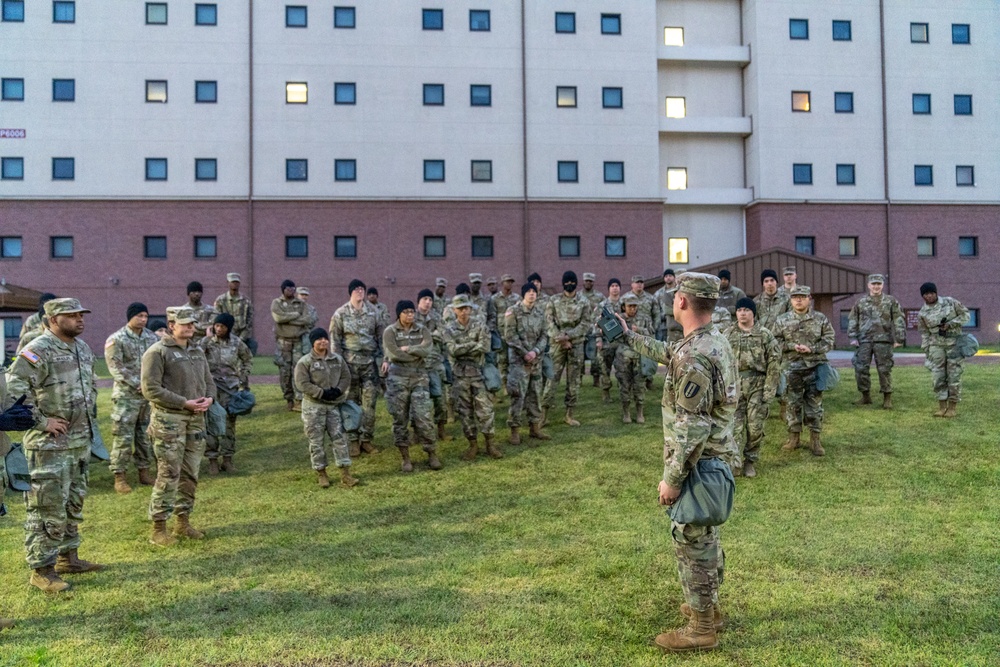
(876, 278)
(492, 280)
(461, 301)
(440, 282)
(233, 277)
(630, 299)
(180, 315)
(638, 279)
(589, 276)
(302, 290)
(788, 270)
(800, 290)
(63, 307)
(701, 285)
(475, 277)
(506, 278)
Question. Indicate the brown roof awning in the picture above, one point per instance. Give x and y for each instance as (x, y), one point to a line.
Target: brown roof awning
(14, 298)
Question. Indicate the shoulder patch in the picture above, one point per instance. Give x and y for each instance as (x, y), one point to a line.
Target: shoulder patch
(109, 343)
(691, 389)
(32, 358)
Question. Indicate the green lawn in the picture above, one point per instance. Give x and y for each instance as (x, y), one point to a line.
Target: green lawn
(882, 553)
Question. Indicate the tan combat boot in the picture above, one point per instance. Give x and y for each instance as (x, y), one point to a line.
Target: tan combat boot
(784, 411)
(160, 536)
(697, 635)
(815, 444)
(6, 623)
(515, 435)
(183, 528)
(491, 449)
(297, 406)
(626, 413)
(368, 448)
(535, 431)
(346, 479)
(433, 462)
(145, 478)
(950, 410)
(45, 579)
(71, 563)
(354, 449)
(942, 408)
(407, 464)
(121, 484)
(442, 436)
(720, 623)
(792, 443)
(213, 466)
(866, 399)
(322, 479)
(640, 417)
(227, 464)
(569, 418)
(887, 401)
(291, 405)
(470, 453)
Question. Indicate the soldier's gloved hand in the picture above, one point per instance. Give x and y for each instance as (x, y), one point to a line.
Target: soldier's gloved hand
(332, 394)
(17, 418)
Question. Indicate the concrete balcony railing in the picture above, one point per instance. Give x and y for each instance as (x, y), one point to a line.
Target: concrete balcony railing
(737, 55)
(734, 125)
(708, 196)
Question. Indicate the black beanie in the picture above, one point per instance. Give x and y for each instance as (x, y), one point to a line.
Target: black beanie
(724, 273)
(747, 302)
(768, 273)
(423, 293)
(405, 304)
(45, 298)
(669, 272)
(528, 287)
(134, 309)
(355, 284)
(533, 277)
(286, 283)
(372, 290)
(317, 333)
(225, 319)
(614, 281)
(462, 288)
(194, 286)
(927, 288)
(569, 278)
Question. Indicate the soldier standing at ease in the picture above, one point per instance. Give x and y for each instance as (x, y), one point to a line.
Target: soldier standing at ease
(605, 350)
(491, 286)
(130, 411)
(241, 308)
(805, 336)
(790, 279)
(324, 377)
(628, 363)
(179, 386)
(758, 359)
(503, 300)
(440, 300)
(667, 328)
(12, 418)
(940, 325)
(728, 293)
(291, 319)
(380, 308)
(429, 318)
(596, 299)
(204, 314)
(570, 319)
(876, 326)
(302, 294)
(770, 303)
(524, 331)
(36, 324)
(647, 306)
(56, 372)
(482, 302)
(230, 363)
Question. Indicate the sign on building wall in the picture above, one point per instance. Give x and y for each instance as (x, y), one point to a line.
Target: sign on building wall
(12, 133)
(912, 317)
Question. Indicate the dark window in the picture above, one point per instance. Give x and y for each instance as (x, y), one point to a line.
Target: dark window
(843, 102)
(297, 170)
(206, 14)
(798, 28)
(345, 93)
(569, 246)
(568, 172)
(805, 245)
(614, 246)
(802, 174)
(566, 96)
(345, 170)
(919, 33)
(345, 247)
(12, 90)
(480, 95)
(841, 31)
(968, 246)
(973, 322)
(435, 246)
(63, 169)
(11, 327)
(206, 169)
(296, 247)
(63, 12)
(845, 174)
(61, 247)
(12, 168)
(611, 24)
(434, 170)
(11, 247)
(923, 174)
(479, 20)
(848, 246)
(963, 105)
(206, 92)
(154, 247)
(433, 19)
(611, 98)
(960, 33)
(156, 13)
(156, 169)
(205, 247)
(434, 94)
(921, 103)
(482, 171)
(296, 16)
(343, 17)
(566, 22)
(965, 175)
(614, 172)
(482, 246)
(926, 246)
(63, 90)
(845, 320)
(13, 10)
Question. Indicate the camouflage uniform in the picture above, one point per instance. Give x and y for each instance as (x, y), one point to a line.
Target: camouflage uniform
(721, 318)
(573, 317)
(407, 390)
(241, 308)
(805, 401)
(524, 331)
(230, 363)
(758, 359)
(305, 347)
(290, 321)
(321, 418)
(769, 308)
(667, 328)
(356, 335)
(609, 350)
(434, 363)
(204, 315)
(628, 365)
(649, 307)
(596, 299)
(382, 312)
(130, 411)
(467, 347)
(943, 360)
(32, 328)
(876, 322)
(728, 299)
(501, 302)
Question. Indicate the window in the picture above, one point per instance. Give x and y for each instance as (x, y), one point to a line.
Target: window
(677, 178)
(565, 96)
(614, 172)
(843, 102)
(614, 246)
(926, 246)
(345, 170)
(482, 171)
(206, 92)
(156, 13)
(611, 24)
(296, 247)
(12, 168)
(968, 246)
(433, 94)
(343, 17)
(345, 93)
(433, 171)
(479, 20)
(296, 92)
(11, 327)
(841, 31)
(923, 174)
(802, 174)
(963, 105)
(156, 169)
(611, 98)
(345, 247)
(568, 172)
(569, 246)
(566, 22)
(805, 245)
(973, 322)
(676, 107)
(63, 90)
(798, 28)
(205, 14)
(800, 100)
(921, 103)
(960, 33)
(205, 247)
(12, 90)
(13, 10)
(965, 175)
(845, 174)
(677, 250)
(482, 246)
(61, 247)
(63, 12)
(433, 19)
(435, 246)
(848, 246)
(63, 169)
(296, 170)
(206, 169)
(296, 16)
(919, 33)
(480, 95)
(673, 36)
(845, 320)
(156, 91)
(10, 247)
(154, 247)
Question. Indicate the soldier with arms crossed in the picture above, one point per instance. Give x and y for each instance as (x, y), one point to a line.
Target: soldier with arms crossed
(876, 325)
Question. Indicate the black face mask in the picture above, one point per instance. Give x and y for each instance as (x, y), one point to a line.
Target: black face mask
(569, 287)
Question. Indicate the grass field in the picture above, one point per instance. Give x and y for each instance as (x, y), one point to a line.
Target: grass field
(882, 553)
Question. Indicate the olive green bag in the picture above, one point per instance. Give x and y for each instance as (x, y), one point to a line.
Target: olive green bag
(706, 495)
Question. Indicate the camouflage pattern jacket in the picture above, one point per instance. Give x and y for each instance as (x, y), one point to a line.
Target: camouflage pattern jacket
(314, 373)
(501, 302)
(123, 352)
(440, 302)
(356, 334)
(729, 297)
(290, 317)
(418, 342)
(650, 306)
(382, 312)
(432, 322)
(665, 300)
(467, 347)
(525, 330)
(948, 311)
(5, 402)
(757, 352)
(569, 315)
(241, 308)
(229, 361)
(173, 375)
(877, 319)
(770, 308)
(639, 324)
(204, 317)
(811, 329)
(485, 304)
(596, 299)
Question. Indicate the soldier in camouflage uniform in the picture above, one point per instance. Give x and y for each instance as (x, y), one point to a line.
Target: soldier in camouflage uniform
(628, 363)
(440, 300)
(204, 314)
(56, 372)
(406, 346)
(546, 363)
(36, 323)
(525, 332)
(302, 294)
(241, 308)
(607, 350)
(700, 394)
(570, 318)
(649, 307)
(230, 362)
(789, 279)
(596, 299)
(380, 308)
(356, 334)
(503, 300)
(667, 328)
(324, 378)
(770, 303)
(940, 325)
(429, 318)
(130, 411)
(758, 359)
(491, 286)
(482, 302)
(876, 325)
(721, 318)
(467, 343)
(728, 293)
(805, 336)
(178, 384)
(291, 321)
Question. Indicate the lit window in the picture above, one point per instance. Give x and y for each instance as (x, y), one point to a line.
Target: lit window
(843, 102)
(434, 171)
(479, 20)
(13, 10)
(11, 247)
(345, 247)
(798, 29)
(566, 22)
(614, 172)
(802, 174)
(206, 169)
(480, 95)
(156, 91)
(206, 14)
(676, 107)
(611, 24)
(296, 170)
(673, 36)
(569, 246)
(841, 31)
(614, 246)
(345, 93)
(800, 100)
(611, 98)
(12, 90)
(156, 13)
(482, 246)
(156, 169)
(805, 245)
(12, 168)
(968, 246)
(919, 33)
(482, 171)
(63, 12)
(296, 247)
(848, 246)
(677, 250)
(973, 322)
(345, 170)
(568, 172)
(921, 103)
(433, 19)
(343, 17)
(926, 246)
(61, 247)
(206, 92)
(296, 92)
(433, 94)
(296, 16)
(677, 178)
(154, 247)
(63, 90)
(963, 105)
(960, 33)
(205, 247)
(565, 96)
(63, 169)
(435, 246)
(965, 175)
(923, 174)
(845, 174)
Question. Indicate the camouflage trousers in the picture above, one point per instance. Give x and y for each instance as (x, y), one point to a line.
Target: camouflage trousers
(440, 402)
(59, 480)
(364, 391)
(701, 563)
(883, 363)
(607, 356)
(596, 366)
(408, 398)
(503, 363)
(751, 414)
(570, 361)
(179, 444)
(473, 406)
(129, 421)
(631, 384)
(805, 401)
(286, 356)
(320, 420)
(946, 367)
(222, 445)
(524, 386)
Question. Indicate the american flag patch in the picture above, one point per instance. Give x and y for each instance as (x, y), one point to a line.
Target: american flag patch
(30, 356)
